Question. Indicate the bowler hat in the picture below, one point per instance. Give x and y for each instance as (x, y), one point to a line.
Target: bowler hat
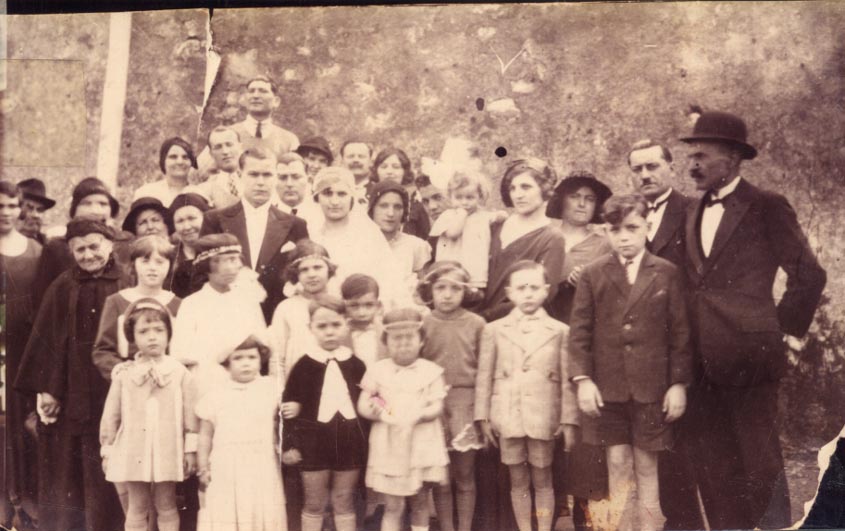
(146, 203)
(34, 189)
(571, 183)
(316, 143)
(715, 126)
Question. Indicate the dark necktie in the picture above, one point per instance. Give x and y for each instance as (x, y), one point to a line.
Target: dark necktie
(293, 211)
(258, 131)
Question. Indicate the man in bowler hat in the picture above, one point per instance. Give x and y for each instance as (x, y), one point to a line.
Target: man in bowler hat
(737, 236)
(35, 203)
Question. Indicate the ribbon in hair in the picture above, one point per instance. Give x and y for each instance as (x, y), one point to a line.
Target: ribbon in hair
(211, 253)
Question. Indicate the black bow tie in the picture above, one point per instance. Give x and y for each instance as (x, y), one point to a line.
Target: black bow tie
(656, 206)
(711, 199)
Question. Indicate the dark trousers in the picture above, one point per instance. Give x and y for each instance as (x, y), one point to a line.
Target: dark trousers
(493, 509)
(73, 492)
(676, 478)
(738, 459)
(187, 494)
(294, 496)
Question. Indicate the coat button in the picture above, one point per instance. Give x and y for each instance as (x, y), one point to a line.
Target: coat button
(627, 326)
(627, 348)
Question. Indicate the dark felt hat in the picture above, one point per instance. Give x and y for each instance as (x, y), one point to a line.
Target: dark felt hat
(83, 226)
(188, 199)
(572, 182)
(726, 128)
(316, 143)
(146, 203)
(92, 186)
(35, 190)
(384, 187)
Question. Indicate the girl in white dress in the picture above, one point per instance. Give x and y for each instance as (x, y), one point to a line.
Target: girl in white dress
(403, 396)
(238, 464)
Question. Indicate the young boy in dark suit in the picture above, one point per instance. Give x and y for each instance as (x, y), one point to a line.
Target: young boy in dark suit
(630, 357)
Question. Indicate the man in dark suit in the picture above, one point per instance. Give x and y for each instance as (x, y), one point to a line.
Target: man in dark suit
(262, 229)
(652, 173)
(737, 237)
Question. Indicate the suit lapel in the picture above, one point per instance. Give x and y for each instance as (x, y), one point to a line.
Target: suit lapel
(645, 276)
(278, 227)
(693, 238)
(616, 272)
(531, 342)
(736, 205)
(669, 224)
(234, 222)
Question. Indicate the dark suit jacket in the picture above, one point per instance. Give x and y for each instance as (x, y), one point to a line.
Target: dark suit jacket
(737, 327)
(633, 341)
(271, 263)
(668, 242)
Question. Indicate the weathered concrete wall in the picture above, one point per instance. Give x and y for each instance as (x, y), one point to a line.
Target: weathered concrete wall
(53, 102)
(576, 84)
(572, 83)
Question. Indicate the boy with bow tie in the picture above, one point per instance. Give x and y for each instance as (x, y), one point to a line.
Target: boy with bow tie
(630, 357)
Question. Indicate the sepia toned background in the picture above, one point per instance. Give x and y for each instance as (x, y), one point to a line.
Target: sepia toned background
(575, 84)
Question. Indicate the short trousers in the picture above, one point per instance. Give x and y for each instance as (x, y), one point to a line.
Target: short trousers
(518, 450)
(457, 419)
(634, 423)
(339, 444)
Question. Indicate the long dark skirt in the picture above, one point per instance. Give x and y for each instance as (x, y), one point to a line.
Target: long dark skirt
(73, 492)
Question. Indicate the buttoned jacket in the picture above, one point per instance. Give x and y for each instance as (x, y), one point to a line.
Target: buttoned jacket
(522, 386)
(632, 340)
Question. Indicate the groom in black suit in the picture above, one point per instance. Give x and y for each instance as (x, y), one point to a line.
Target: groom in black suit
(737, 237)
(262, 229)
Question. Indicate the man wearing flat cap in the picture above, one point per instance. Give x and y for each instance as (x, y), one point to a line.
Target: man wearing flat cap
(737, 237)
(35, 202)
(57, 367)
(262, 229)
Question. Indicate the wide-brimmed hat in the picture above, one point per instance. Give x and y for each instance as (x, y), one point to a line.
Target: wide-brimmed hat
(146, 203)
(35, 190)
(316, 143)
(572, 182)
(92, 186)
(726, 128)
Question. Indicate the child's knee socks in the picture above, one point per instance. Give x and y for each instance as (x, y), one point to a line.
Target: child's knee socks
(345, 522)
(544, 501)
(312, 522)
(521, 501)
